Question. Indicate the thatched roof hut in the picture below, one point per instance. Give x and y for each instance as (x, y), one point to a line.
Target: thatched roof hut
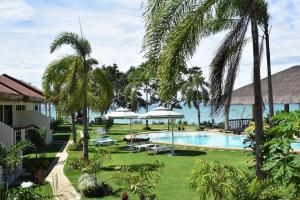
(286, 89)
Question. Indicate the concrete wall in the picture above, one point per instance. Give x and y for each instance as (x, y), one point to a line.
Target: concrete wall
(28, 117)
(6, 134)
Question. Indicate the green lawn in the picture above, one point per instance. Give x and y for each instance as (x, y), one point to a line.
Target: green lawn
(174, 180)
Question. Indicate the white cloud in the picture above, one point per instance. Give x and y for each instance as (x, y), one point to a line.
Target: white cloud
(115, 29)
(14, 10)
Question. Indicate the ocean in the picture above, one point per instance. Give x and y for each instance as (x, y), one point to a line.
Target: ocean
(236, 112)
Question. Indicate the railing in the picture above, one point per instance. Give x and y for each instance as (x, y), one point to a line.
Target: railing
(239, 125)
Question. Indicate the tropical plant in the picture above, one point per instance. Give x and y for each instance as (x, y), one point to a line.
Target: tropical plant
(94, 166)
(173, 32)
(4, 191)
(195, 91)
(141, 181)
(213, 180)
(10, 157)
(282, 165)
(216, 181)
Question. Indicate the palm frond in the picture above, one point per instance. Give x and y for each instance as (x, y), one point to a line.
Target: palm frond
(161, 17)
(80, 45)
(228, 54)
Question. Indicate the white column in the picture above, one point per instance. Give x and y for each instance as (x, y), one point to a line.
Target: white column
(49, 109)
(46, 109)
(22, 135)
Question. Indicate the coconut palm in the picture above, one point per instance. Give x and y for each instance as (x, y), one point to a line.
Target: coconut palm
(195, 92)
(173, 32)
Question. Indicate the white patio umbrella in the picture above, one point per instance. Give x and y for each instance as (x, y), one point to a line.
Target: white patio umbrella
(163, 113)
(122, 113)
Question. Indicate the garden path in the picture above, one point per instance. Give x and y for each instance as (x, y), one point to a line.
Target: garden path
(62, 184)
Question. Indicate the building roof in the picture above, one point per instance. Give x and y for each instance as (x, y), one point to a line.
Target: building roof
(15, 89)
(286, 88)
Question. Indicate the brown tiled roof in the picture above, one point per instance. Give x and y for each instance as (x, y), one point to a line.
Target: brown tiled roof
(13, 86)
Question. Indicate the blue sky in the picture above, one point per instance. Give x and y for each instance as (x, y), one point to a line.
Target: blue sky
(115, 29)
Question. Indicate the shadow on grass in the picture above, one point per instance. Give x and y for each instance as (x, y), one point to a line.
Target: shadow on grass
(134, 167)
(61, 136)
(181, 152)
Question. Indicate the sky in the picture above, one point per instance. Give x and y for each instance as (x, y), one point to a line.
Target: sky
(115, 29)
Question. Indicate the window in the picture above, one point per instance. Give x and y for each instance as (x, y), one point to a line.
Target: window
(20, 107)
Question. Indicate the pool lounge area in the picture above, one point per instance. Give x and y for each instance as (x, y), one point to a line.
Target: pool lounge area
(204, 139)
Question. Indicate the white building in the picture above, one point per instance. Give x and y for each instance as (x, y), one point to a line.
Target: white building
(20, 110)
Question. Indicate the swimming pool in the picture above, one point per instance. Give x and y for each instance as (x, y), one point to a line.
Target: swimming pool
(203, 138)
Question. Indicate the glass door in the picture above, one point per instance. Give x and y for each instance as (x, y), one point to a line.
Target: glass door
(8, 116)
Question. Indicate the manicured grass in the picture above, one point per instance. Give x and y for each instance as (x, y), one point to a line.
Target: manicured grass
(174, 180)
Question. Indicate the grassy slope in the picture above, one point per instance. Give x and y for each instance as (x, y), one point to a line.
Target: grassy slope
(174, 180)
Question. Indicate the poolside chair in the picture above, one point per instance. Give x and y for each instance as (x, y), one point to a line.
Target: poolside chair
(157, 149)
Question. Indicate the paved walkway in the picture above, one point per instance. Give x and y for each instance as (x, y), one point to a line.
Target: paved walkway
(64, 186)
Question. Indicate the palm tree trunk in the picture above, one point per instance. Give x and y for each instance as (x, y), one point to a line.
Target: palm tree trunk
(147, 123)
(270, 87)
(258, 118)
(73, 128)
(198, 113)
(85, 120)
(226, 116)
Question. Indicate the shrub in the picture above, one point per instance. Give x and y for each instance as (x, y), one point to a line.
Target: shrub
(201, 128)
(105, 189)
(36, 137)
(89, 186)
(75, 163)
(54, 124)
(108, 124)
(75, 147)
(124, 196)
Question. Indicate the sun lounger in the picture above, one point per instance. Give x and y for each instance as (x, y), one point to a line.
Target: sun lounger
(104, 142)
(143, 146)
(157, 149)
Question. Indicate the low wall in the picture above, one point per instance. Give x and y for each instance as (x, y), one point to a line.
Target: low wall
(6, 134)
(28, 117)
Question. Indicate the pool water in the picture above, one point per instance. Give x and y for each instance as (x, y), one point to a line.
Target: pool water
(204, 138)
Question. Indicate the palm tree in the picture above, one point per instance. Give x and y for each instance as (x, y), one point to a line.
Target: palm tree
(83, 51)
(195, 92)
(101, 92)
(264, 23)
(174, 30)
(62, 87)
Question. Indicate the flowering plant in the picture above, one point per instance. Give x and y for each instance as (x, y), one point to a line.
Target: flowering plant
(25, 192)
